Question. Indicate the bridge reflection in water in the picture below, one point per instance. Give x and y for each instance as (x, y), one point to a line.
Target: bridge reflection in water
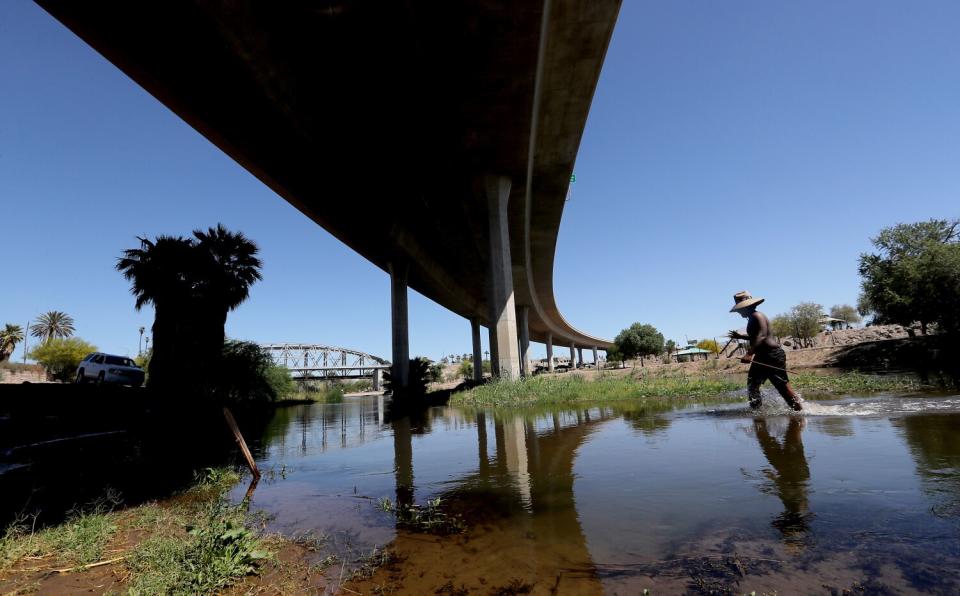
(618, 498)
(516, 494)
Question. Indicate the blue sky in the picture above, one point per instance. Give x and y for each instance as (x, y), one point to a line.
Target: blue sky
(819, 121)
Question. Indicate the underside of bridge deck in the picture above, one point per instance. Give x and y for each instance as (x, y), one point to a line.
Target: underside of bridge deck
(380, 120)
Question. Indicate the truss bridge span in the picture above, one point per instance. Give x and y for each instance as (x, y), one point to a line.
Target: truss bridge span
(327, 363)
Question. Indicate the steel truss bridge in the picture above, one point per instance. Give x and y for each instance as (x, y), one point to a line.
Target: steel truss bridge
(319, 362)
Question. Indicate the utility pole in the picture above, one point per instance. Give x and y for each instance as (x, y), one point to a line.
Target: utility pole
(26, 334)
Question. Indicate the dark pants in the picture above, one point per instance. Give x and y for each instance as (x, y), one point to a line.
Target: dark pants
(759, 373)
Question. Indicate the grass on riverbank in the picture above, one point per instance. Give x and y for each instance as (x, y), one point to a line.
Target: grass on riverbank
(196, 543)
(853, 382)
(575, 388)
(665, 386)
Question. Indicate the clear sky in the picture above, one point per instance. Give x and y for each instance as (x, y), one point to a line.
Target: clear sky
(731, 145)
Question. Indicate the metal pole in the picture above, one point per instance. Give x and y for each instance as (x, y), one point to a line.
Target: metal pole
(26, 334)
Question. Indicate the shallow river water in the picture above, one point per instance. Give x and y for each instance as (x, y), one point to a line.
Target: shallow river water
(858, 494)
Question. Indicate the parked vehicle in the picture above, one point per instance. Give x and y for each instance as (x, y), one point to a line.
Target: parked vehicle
(107, 368)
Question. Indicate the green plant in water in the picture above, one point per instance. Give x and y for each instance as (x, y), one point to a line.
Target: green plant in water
(427, 519)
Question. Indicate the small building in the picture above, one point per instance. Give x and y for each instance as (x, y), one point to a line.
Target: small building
(691, 353)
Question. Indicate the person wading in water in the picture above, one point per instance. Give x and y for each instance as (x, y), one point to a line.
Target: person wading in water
(765, 356)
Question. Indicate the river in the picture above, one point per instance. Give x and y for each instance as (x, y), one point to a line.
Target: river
(858, 494)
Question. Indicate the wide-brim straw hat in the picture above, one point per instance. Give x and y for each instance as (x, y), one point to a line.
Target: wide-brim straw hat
(743, 300)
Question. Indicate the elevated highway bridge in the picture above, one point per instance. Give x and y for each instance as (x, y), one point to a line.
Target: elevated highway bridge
(435, 138)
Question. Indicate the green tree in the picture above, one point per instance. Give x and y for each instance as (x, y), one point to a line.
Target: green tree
(614, 355)
(61, 356)
(639, 340)
(52, 324)
(781, 326)
(465, 370)
(10, 336)
(913, 276)
(192, 284)
(248, 374)
(846, 313)
(710, 345)
(436, 372)
(805, 319)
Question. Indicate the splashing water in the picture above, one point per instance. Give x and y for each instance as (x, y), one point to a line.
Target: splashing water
(878, 405)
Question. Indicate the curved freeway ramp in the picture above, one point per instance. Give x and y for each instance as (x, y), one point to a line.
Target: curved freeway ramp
(385, 123)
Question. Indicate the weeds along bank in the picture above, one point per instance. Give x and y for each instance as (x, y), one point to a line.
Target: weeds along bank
(194, 543)
(666, 387)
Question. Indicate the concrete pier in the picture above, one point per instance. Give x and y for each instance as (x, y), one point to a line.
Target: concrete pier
(596, 361)
(573, 356)
(477, 358)
(579, 357)
(400, 371)
(549, 352)
(503, 321)
(524, 328)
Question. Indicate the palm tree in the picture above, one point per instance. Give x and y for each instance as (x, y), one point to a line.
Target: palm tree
(10, 336)
(192, 284)
(161, 273)
(52, 324)
(229, 267)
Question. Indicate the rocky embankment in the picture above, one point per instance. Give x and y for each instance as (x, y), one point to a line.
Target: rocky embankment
(848, 337)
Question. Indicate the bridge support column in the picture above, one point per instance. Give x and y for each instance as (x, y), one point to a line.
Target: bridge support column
(573, 356)
(400, 370)
(596, 361)
(477, 360)
(494, 359)
(377, 379)
(579, 357)
(503, 322)
(524, 329)
(549, 352)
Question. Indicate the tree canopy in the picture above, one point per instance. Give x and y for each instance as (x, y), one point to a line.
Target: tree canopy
(52, 324)
(61, 356)
(846, 313)
(802, 322)
(639, 340)
(914, 275)
(710, 345)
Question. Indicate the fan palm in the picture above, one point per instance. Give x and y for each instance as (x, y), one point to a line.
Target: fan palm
(161, 273)
(52, 324)
(192, 284)
(228, 266)
(10, 336)
(231, 266)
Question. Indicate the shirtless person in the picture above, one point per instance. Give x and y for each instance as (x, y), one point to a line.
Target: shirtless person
(765, 356)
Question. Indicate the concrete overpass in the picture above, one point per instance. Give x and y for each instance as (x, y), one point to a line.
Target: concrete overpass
(435, 138)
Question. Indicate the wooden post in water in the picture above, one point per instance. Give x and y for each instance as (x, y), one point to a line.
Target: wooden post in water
(243, 444)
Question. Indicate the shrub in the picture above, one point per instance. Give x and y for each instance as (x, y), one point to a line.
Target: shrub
(465, 370)
(418, 379)
(62, 356)
(247, 373)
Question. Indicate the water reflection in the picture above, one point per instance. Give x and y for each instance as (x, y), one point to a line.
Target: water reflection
(518, 500)
(935, 446)
(617, 499)
(790, 476)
